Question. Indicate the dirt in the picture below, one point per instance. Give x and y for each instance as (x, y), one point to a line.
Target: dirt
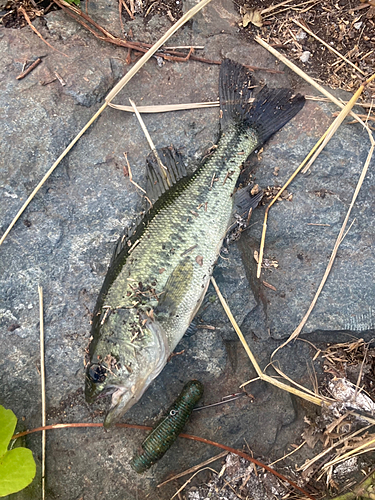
(346, 25)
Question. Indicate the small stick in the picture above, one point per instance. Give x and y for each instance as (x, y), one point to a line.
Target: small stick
(150, 142)
(122, 2)
(21, 9)
(43, 383)
(196, 467)
(29, 69)
(60, 79)
(131, 176)
(305, 28)
(195, 47)
(137, 66)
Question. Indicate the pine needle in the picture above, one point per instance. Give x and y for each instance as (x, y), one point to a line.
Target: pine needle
(329, 47)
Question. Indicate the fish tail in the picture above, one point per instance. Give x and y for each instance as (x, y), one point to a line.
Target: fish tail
(271, 109)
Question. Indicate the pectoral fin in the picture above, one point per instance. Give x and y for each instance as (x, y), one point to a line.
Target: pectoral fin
(175, 289)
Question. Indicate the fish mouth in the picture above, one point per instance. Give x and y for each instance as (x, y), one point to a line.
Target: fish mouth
(123, 399)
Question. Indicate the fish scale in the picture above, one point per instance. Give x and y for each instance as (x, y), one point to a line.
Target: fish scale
(153, 288)
(149, 256)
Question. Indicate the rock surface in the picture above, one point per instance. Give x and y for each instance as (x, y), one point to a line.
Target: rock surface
(64, 241)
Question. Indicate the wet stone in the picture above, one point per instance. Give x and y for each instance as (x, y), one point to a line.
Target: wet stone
(65, 238)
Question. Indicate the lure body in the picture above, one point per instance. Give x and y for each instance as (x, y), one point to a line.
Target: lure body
(166, 432)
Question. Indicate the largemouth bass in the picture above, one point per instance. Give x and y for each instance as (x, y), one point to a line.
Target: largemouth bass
(160, 272)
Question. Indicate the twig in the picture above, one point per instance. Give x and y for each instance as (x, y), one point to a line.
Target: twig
(106, 36)
(190, 478)
(329, 47)
(124, 80)
(29, 69)
(185, 436)
(21, 9)
(193, 469)
(150, 142)
(43, 387)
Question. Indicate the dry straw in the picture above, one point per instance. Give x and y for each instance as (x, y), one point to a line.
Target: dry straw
(43, 387)
(347, 109)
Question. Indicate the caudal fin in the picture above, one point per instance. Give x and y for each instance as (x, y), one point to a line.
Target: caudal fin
(271, 109)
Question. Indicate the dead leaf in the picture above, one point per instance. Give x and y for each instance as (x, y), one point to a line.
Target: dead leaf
(255, 190)
(251, 15)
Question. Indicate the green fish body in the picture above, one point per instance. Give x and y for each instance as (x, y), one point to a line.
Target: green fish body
(155, 287)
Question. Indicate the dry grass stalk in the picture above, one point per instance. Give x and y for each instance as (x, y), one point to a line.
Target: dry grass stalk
(150, 142)
(329, 47)
(329, 133)
(339, 239)
(273, 7)
(288, 454)
(164, 108)
(186, 17)
(367, 445)
(322, 454)
(326, 99)
(43, 387)
(131, 175)
(305, 393)
(195, 468)
(188, 481)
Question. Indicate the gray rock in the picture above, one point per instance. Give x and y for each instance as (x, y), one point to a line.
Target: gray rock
(65, 238)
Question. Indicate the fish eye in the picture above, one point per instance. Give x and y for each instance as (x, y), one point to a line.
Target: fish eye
(97, 373)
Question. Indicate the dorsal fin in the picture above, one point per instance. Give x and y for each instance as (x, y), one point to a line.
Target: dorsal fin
(158, 183)
(158, 180)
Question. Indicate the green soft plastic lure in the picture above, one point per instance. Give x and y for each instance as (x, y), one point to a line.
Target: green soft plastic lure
(165, 433)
